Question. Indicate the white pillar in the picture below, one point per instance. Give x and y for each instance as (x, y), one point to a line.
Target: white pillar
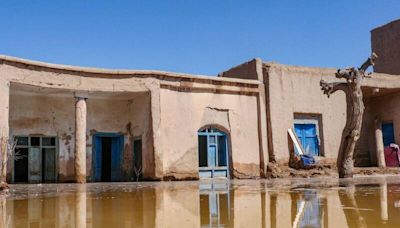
(380, 155)
(80, 139)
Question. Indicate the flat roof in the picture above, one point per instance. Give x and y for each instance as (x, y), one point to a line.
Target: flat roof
(386, 25)
(104, 71)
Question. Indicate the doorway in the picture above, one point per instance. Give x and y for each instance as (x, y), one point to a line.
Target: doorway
(35, 159)
(21, 166)
(137, 158)
(107, 157)
(213, 153)
(388, 133)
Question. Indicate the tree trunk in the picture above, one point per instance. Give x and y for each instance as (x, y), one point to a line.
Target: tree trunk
(352, 129)
(354, 110)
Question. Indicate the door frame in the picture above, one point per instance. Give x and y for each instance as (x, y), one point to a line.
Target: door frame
(215, 134)
(312, 118)
(386, 123)
(57, 155)
(99, 135)
(302, 136)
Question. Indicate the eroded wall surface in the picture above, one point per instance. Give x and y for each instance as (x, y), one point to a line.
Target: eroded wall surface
(297, 90)
(54, 116)
(386, 108)
(184, 113)
(164, 150)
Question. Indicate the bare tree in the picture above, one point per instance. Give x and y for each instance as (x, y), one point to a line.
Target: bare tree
(355, 109)
(138, 172)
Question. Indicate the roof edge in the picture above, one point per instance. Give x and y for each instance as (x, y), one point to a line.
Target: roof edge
(384, 26)
(299, 68)
(94, 70)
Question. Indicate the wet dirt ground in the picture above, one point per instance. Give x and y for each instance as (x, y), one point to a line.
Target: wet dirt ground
(313, 202)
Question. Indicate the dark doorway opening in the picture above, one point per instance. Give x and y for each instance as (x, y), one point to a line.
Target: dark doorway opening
(106, 143)
(35, 159)
(107, 157)
(21, 165)
(137, 157)
(388, 133)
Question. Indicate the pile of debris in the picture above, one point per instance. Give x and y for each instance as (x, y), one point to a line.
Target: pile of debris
(299, 160)
(302, 165)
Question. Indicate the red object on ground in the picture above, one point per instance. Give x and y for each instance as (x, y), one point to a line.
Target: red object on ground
(392, 156)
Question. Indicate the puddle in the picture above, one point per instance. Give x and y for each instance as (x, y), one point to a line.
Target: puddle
(322, 202)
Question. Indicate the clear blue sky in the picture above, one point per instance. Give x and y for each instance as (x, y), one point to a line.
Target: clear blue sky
(192, 36)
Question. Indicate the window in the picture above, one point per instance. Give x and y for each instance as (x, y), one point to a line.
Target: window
(309, 132)
(35, 159)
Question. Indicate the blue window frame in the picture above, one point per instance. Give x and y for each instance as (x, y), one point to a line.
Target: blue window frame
(308, 137)
(213, 153)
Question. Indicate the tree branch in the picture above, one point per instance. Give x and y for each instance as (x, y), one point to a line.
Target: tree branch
(348, 73)
(369, 62)
(332, 87)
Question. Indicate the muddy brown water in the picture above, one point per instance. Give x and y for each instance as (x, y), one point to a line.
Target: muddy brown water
(320, 202)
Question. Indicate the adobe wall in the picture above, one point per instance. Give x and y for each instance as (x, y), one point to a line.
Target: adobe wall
(385, 43)
(387, 108)
(54, 116)
(184, 113)
(92, 81)
(293, 89)
(247, 70)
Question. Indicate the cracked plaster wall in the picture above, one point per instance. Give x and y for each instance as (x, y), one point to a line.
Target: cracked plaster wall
(297, 90)
(54, 116)
(184, 113)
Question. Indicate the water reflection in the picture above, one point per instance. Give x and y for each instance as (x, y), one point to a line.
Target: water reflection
(370, 202)
(215, 204)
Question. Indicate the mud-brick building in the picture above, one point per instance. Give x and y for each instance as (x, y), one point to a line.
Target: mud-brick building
(294, 100)
(73, 123)
(86, 124)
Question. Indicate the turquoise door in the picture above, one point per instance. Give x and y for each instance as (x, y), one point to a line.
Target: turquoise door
(213, 154)
(308, 137)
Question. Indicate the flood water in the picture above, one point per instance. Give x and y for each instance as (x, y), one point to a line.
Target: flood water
(322, 202)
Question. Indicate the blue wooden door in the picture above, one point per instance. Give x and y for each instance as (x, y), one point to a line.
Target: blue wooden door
(307, 134)
(213, 154)
(388, 133)
(97, 154)
(116, 153)
(117, 142)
